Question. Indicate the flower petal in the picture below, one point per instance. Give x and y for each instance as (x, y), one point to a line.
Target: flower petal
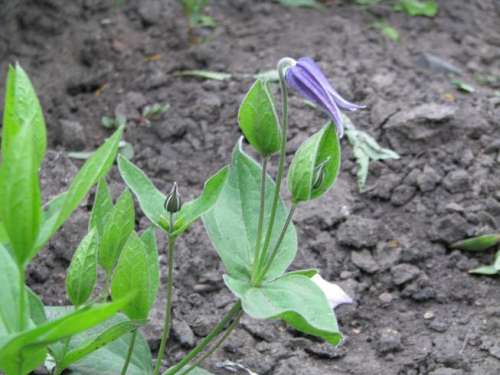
(333, 293)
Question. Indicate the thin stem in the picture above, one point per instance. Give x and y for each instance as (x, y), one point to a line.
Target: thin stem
(275, 250)
(261, 217)
(168, 308)
(217, 345)
(22, 300)
(235, 310)
(283, 64)
(129, 353)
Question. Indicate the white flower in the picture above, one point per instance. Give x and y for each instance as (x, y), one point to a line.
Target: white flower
(333, 293)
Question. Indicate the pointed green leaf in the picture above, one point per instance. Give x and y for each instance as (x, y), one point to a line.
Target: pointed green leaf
(103, 204)
(82, 273)
(20, 353)
(315, 165)
(258, 120)
(293, 298)
(36, 308)
(93, 169)
(194, 209)
(133, 273)
(9, 291)
(119, 225)
(150, 198)
(232, 223)
(22, 108)
(478, 243)
(419, 8)
(153, 264)
(20, 198)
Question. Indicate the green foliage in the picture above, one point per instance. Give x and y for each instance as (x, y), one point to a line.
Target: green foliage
(22, 352)
(301, 3)
(232, 223)
(194, 11)
(136, 271)
(103, 204)
(82, 273)
(419, 8)
(315, 165)
(389, 31)
(478, 243)
(258, 120)
(463, 86)
(20, 199)
(152, 200)
(206, 74)
(490, 270)
(113, 122)
(119, 224)
(154, 112)
(96, 167)
(365, 149)
(293, 298)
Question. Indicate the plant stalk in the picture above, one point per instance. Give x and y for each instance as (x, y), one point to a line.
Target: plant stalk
(168, 308)
(129, 353)
(217, 345)
(283, 64)
(235, 310)
(275, 250)
(260, 224)
(22, 299)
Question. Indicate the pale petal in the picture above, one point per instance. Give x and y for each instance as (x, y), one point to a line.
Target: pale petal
(334, 294)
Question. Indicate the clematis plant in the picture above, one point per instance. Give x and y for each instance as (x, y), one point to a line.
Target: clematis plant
(249, 224)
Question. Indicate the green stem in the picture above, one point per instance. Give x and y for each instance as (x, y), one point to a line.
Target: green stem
(216, 346)
(168, 308)
(235, 310)
(261, 218)
(283, 64)
(22, 300)
(129, 353)
(275, 250)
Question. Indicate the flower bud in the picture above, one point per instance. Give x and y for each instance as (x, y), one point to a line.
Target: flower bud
(173, 203)
(319, 174)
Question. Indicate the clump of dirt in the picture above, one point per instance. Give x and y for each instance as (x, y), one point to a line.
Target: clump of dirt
(417, 310)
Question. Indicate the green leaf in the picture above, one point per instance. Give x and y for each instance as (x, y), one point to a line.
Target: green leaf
(20, 353)
(419, 8)
(82, 273)
(389, 31)
(102, 339)
(301, 3)
(20, 199)
(93, 169)
(484, 270)
(293, 298)
(119, 225)
(153, 265)
(150, 198)
(206, 74)
(365, 149)
(315, 165)
(232, 223)
(194, 209)
(135, 271)
(22, 108)
(9, 291)
(463, 86)
(478, 243)
(258, 120)
(194, 371)
(103, 205)
(36, 307)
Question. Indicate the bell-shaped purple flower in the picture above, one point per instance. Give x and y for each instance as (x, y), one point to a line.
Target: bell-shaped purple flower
(306, 77)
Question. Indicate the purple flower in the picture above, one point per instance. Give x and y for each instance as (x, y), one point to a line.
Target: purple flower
(306, 77)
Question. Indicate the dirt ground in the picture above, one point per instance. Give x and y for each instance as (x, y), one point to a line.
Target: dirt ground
(417, 310)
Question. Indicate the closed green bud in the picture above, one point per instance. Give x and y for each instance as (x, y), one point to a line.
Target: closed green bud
(319, 174)
(173, 203)
(478, 243)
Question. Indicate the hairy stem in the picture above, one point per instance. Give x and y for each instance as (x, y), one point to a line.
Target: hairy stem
(261, 218)
(235, 310)
(276, 248)
(217, 345)
(129, 353)
(168, 308)
(283, 64)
